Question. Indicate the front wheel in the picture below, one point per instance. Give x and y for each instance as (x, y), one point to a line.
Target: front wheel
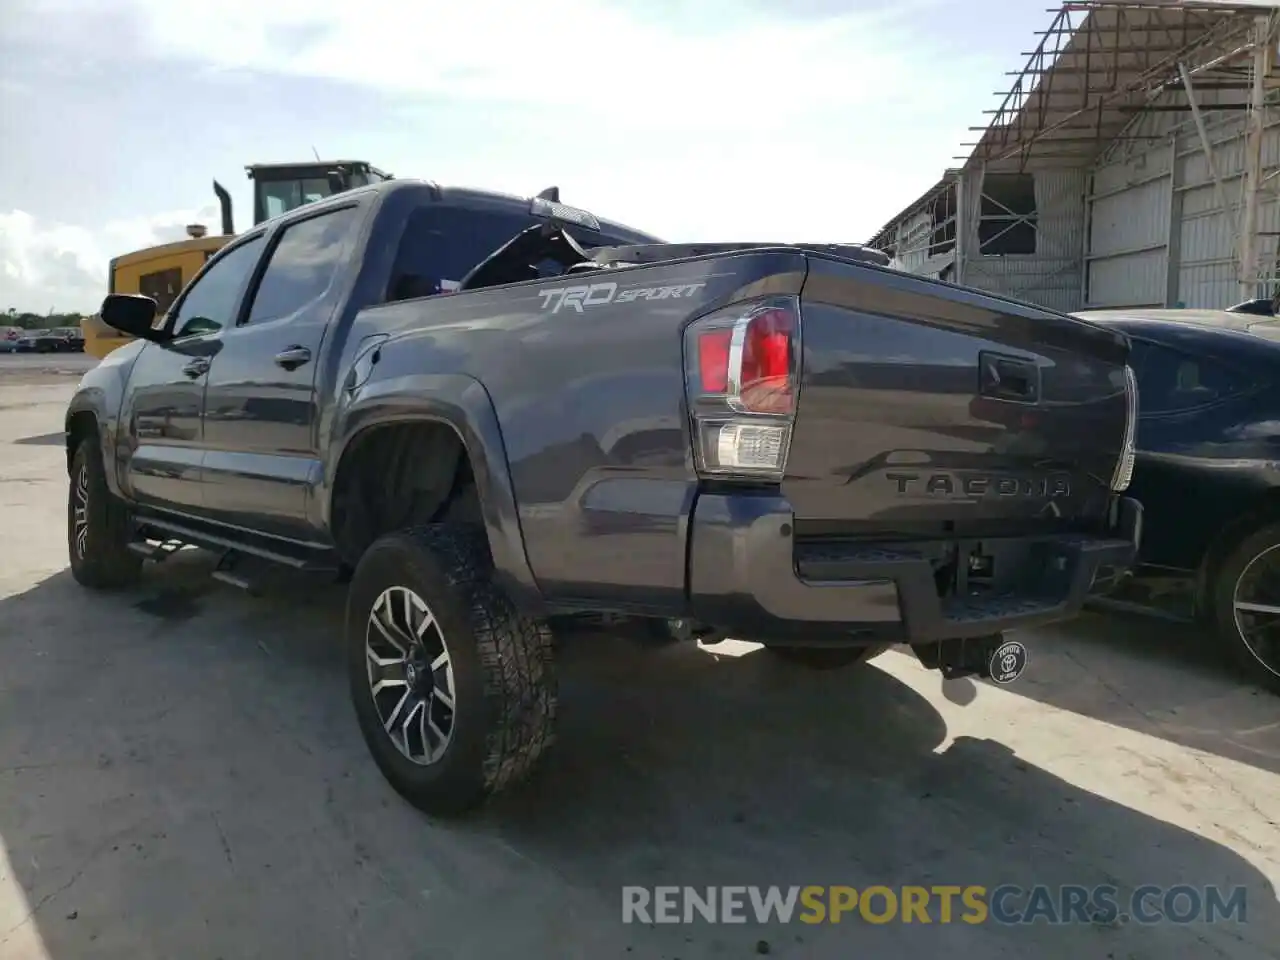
(98, 527)
(454, 689)
(827, 658)
(1246, 605)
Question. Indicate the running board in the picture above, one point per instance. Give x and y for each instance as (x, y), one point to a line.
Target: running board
(229, 578)
(159, 551)
(213, 541)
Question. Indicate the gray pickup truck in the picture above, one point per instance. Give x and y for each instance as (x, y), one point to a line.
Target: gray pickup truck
(499, 418)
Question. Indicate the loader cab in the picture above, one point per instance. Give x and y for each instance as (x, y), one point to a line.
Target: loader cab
(281, 187)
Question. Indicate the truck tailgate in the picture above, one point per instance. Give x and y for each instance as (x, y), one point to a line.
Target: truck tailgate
(929, 410)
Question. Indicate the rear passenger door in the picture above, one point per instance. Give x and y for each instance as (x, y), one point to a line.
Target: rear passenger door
(260, 408)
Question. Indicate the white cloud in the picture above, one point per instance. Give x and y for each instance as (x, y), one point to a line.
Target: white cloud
(707, 63)
(721, 119)
(63, 267)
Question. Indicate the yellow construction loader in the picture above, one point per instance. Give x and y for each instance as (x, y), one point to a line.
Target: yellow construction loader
(160, 272)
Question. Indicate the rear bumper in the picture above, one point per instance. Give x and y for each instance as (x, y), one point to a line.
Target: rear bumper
(748, 576)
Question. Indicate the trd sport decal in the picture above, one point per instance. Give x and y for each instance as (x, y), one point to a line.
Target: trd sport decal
(555, 299)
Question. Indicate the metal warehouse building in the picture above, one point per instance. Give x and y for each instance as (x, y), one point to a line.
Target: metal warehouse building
(1135, 161)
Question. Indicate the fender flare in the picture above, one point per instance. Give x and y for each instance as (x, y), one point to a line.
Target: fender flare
(461, 403)
(92, 402)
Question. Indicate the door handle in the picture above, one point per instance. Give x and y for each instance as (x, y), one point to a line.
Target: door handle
(197, 367)
(1008, 378)
(293, 358)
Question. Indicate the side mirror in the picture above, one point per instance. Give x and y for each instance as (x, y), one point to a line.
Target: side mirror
(132, 314)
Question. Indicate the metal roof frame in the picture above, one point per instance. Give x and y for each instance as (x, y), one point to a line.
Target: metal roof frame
(1097, 68)
(1102, 62)
(921, 203)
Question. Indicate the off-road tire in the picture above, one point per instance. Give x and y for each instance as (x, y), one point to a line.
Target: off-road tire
(1223, 586)
(504, 677)
(826, 658)
(101, 558)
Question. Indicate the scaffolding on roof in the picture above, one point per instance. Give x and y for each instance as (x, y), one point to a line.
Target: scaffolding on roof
(1099, 66)
(1102, 62)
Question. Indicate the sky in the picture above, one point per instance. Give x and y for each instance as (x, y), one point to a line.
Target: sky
(749, 120)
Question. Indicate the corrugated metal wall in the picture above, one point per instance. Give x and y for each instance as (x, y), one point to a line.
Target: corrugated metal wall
(1050, 276)
(1129, 209)
(1205, 243)
(1158, 232)
(911, 239)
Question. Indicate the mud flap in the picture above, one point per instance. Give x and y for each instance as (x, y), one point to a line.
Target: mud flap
(992, 657)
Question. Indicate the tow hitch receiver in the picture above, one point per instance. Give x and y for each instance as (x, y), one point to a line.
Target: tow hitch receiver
(992, 657)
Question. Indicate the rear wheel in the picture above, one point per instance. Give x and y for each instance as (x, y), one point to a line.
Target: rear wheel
(827, 658)
(453, 688)
(1246, 592)
(98, 527)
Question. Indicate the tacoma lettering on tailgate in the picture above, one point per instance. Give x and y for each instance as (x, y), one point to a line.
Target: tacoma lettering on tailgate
(970, 485)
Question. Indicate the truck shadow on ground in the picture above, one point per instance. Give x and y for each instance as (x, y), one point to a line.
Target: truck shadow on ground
(181, 776)
(1163, 679)
(58, 439)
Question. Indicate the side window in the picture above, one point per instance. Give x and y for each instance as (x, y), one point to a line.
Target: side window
(211, 302)
(303, 264)
(1170, 381)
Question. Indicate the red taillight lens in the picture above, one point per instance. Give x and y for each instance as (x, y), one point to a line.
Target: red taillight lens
(766, 385)
(741, 375)
(713, 360)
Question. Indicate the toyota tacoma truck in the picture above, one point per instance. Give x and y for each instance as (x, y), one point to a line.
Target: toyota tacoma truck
(501, 417)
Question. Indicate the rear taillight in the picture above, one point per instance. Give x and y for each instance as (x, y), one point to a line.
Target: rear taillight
(1128, 450)
(741, 372)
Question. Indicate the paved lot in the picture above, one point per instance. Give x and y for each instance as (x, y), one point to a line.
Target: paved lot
(29, 367)
(180, 777)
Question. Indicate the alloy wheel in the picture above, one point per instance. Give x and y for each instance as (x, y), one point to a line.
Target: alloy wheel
(1256, 607)
(80, 511)
(410, 675)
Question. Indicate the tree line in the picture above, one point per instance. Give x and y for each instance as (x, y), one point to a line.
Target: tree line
(37, 321)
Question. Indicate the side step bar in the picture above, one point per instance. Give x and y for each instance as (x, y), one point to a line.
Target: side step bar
(158, 552)
(231, 578)
(234, 556)
(217, 543)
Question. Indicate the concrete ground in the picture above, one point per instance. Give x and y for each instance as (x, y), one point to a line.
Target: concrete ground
(181, 777)
(42, 366)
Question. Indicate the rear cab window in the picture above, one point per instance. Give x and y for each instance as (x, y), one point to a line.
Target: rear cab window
(443, 242)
